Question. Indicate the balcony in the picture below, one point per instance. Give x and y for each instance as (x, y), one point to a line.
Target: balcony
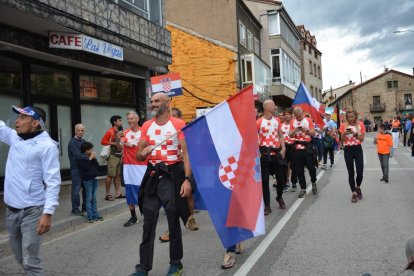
(377, 107)
(255, 72)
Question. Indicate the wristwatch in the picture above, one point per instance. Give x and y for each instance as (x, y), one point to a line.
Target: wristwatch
(187, 177)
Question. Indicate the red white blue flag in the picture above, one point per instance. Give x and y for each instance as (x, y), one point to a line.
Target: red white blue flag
(309, 104)
(223, 149)
(170, 84)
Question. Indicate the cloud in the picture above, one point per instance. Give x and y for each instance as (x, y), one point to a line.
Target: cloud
(358, 35)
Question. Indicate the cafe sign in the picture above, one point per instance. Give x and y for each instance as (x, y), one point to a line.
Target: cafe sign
(85, 43)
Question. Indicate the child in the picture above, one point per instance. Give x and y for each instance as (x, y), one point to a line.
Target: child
(88, 167)
(384, 146)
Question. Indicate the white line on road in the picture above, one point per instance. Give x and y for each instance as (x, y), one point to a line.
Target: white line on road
(379, 169)
(260, 250)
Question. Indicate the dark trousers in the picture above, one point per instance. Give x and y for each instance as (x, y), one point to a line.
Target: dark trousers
(77, 184)
(384, 161)
(331, 155)
(407, 140)
(301, 158)
(269, 165)
(151, 204)
(321, 149)
(354, 154)
(289, 160)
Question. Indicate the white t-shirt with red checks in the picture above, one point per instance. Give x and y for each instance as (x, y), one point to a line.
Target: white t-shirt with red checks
(169, 151)
(302, 136)
(268, 132)
(350, 139)
(286, 128)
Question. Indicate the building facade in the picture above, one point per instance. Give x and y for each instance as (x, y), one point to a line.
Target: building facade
(330, 95)
(311, 63)
(381, 98)
(216, 50)
(81, 61)
(280, 49)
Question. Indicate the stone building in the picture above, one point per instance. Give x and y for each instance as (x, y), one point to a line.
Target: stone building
(382, 97)
(81, 61)
(216, 50)
(330, 95)
(311, 63)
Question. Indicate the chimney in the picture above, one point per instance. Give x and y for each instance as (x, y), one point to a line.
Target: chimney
(350, 82)
(385, 69)
(413, 71)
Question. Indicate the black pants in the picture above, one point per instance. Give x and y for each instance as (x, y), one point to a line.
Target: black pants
(268, 167)
(289, 160)
(151, 205)
(354, 154)
(331, 155)
(301, 158)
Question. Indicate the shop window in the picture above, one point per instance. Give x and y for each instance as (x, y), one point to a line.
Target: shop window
(10, 76)
(106, 89)
(46, 81)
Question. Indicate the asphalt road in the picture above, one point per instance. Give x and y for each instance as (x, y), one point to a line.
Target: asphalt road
(325, 235)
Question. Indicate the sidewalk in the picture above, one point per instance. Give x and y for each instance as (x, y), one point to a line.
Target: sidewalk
(62, 219)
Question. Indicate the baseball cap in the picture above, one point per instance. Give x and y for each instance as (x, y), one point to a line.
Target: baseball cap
(409, 252)
(28, 110)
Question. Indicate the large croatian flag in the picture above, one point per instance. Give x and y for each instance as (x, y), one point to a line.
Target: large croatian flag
(309, 105)
(223, 149)
(170, 84)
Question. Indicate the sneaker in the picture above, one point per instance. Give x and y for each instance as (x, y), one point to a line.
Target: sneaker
(140, 273)
(239, 248)
(386, 180)
(267, 210)
(77, 213)
(91, 220)
(281, 202)
(314, 189)
(191, 224)
(331, 166)
(382, 179)
(359, 193)
(175, 270)
(354, 198)
(228, 261)
(302, 194)
(131, 221)
(293, 189)
(99, 218)
(165, 237)
(285, 189)
(324, 167)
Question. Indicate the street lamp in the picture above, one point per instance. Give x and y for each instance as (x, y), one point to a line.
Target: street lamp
(402, 31)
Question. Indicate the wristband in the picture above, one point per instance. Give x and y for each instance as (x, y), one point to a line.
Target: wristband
(187, 178)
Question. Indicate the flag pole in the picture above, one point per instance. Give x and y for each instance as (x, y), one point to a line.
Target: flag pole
(160, 143)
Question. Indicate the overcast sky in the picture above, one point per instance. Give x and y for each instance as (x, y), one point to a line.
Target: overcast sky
(357, 35)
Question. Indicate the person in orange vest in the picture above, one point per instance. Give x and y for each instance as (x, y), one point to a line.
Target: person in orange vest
(385, 150)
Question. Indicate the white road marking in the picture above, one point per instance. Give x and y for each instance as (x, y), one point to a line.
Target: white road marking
(260, 250)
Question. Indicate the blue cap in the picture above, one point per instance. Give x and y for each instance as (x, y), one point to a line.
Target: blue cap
(29, 112)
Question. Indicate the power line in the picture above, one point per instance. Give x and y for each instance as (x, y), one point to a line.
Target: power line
(201, 99)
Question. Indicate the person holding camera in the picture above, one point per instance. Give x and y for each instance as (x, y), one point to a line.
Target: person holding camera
(302, 131)
(352, 136)
(272, 154)
(112, 138)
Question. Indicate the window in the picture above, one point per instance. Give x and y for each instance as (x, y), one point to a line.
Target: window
(150, 9)
(275, 68)
(273, 24)
(392, 84)
(242, 34)
(314, 70)
(319, 72)
(310, 67)
(257, 47)
(289, 35)
(376, 100)
(316, 54)
(46, 81)
(105, 89)
(10, 77)
(311, 88)
(408, 99)
(250, 41)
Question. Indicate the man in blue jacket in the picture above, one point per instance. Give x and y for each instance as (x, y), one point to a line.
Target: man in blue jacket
(31, 200)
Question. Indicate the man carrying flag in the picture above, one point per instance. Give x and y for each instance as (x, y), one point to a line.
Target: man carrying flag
(132, 169)
(272, 150)
(164, 183)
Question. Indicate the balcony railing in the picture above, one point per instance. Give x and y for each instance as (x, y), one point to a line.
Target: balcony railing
(377, 107)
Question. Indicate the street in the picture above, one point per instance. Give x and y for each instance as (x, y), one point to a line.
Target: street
(319, 235)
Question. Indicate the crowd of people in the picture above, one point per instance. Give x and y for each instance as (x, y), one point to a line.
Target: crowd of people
(289, 143)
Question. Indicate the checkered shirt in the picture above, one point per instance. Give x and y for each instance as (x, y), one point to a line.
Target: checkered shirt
(268, 132)
(350, 139)
(286, 128)
(301, 136)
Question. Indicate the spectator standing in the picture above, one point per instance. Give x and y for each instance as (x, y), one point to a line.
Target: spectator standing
(164, 184)
(407, 129)
(384, 143)
(77, 184)
(395, 130)
(352, 136)
(112, 138)
(32, 162)
(89, 167)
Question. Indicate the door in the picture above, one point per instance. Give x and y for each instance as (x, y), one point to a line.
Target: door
(58, 125)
